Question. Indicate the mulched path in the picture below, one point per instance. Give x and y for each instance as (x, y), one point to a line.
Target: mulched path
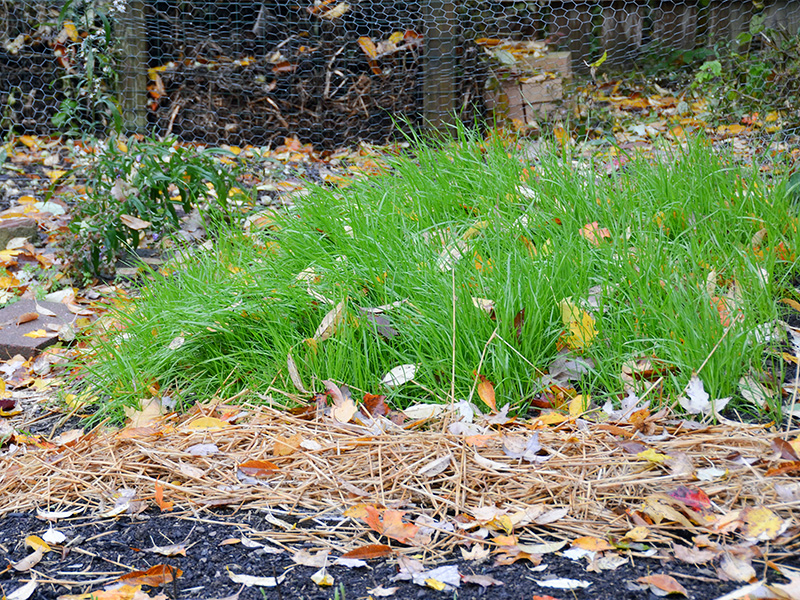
(104, 549)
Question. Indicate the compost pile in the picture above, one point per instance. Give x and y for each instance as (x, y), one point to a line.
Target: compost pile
(328, 94)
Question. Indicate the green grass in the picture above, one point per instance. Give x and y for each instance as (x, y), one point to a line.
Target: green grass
(241, 309)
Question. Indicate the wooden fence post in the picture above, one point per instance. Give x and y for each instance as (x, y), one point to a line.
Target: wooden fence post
(675, 24)
(133, 74)
(439, 85)
(574, 20)
(623, 28)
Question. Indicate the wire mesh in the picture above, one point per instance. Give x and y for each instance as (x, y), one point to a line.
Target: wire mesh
(333, 72)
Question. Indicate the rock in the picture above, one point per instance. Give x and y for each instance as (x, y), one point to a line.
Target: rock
(15, 227)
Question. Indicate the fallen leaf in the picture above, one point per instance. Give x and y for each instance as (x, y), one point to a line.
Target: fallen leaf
(154, 576)
(482, 580)
(580, 325)
(30, 561)
(34, 542)
(662, 583)
(369, 551)
(23, 592)
(163, 505)
(177, 342)
(477, 552)
(203, 423)
(693, 555)
(390, 523)
(399, 375)
(285, 446)
(761, 524)
(736, 568)
(149, 411)
(375, 405)
(294, 374)
(330, 322)
(38, 334)
(592, 544)
(486, 393)
(306, 559)
(258, 468)
(593, 233)
(170, 550)
(322, 578)
(436, 466)
(382, 592)
(27, 318)
(250, 580)
(563, 583)
(134, 222)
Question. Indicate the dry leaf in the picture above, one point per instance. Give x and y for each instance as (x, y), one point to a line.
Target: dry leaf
(330, 322)
(486, 393)
(662, 583)
(580, 325)
(23, 592)
(250, 580)
(761, 524)
(154, 576)
(399, 375)
(204, 423)
(369, 551)
(134, 222)
(736, 568)
(284, 446)
(322, 578)
(294, 374)
(258, 468)
(27, 318)
(305, 558)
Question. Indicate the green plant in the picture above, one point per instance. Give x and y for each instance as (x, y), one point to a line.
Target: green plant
(150, 180)
(473, 268)
(89, 62)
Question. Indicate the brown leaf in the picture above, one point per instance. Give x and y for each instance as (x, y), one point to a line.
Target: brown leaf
(664, 583)
(154, 576)
(375, 404)
(693, 555)
(389, 524)
(330, 322)
(785, 449)
(369, 551)
(27, 318)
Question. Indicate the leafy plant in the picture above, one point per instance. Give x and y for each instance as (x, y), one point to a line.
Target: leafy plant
(142, 185)
(89, 62)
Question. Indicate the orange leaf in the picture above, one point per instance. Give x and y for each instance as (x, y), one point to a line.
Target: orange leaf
(594, 234)
(154, 576)
(486, 393)
(162, 504)
(284, 446)
(369, 551)
(478, 440)
(594, 544)
(391, 525)
(782, 469)
(27, 317)
(258, 468)
(368, 46)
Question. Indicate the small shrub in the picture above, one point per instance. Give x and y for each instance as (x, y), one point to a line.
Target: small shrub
(151, 181)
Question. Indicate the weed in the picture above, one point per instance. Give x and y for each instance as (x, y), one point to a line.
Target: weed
(151, 180)
(447, 232)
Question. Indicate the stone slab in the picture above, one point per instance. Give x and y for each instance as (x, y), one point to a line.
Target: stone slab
(14, 227)
(12, 336)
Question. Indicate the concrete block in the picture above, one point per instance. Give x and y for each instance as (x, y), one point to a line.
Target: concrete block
(12, 336)
(523, 99)
(552, 62)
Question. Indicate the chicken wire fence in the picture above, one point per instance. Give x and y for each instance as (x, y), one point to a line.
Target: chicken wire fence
(333, 72)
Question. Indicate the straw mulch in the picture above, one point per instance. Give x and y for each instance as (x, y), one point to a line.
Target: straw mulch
(336, 466)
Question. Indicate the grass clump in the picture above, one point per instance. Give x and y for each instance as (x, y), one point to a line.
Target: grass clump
(653, 262)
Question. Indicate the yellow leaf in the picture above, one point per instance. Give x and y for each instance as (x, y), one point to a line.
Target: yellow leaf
(71, 31)
(37, 543)
(593, 544)
(762, 524)
(396, 37)
(637, 534)
(435, 584)
(579, 323)
(652, 456)
(552, 418)
(38, 333)
(207, 423)
(322, 578)
(578, 406)
(368, 46)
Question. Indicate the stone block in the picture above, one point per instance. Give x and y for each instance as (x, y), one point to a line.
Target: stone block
(12, 335)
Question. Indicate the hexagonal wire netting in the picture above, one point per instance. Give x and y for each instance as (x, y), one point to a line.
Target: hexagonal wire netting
(333, 72)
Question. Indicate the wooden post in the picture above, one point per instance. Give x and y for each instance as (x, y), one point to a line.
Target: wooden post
(439, 86)
(675, 24)
(783, 15)
(728, 18)
(623, 27)
(133, 72)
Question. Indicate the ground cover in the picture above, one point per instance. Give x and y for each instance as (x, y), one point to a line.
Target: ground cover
(563, 434)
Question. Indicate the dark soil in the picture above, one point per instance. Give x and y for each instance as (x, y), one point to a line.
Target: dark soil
(101, 549)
